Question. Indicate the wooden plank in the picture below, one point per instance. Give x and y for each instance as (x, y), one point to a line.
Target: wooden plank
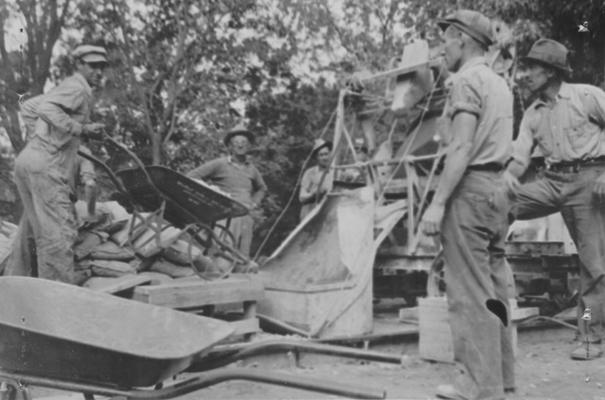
(116, 285)
(197, 293)
(244, 326)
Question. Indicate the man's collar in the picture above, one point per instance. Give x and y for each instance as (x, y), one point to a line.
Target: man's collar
(231, 161)
(564, 93)
(80, 78)
(478, 60)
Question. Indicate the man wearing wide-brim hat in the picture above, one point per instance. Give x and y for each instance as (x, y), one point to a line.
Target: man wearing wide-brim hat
(236, 175)
(566, 122)
(45, 170)
(317, 181)
(469, 211)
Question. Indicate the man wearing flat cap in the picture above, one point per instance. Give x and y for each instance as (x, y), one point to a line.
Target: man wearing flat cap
(469, 209)
(566, 123)
(316, 181)
(45, 170)
(236, 175)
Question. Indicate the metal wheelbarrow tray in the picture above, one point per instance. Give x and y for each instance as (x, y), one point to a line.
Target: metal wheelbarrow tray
(73, 334)
(187, 200)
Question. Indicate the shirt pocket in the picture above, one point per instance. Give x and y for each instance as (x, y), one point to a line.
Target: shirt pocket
(580, 134)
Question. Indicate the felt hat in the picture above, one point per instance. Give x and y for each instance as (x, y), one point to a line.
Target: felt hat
(549, 52)
(239, 129)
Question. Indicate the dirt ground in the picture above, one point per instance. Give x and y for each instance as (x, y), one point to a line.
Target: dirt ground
(544, 371)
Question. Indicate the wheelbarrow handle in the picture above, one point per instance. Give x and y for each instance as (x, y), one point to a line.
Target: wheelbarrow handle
(200, 382)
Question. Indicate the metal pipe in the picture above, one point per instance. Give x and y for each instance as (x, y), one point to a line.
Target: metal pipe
(203, 381)
(221, 357)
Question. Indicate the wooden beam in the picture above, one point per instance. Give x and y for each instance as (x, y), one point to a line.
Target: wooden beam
(198, 293)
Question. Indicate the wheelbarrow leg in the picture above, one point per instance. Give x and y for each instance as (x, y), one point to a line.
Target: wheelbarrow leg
(89, 396)
(14, 390)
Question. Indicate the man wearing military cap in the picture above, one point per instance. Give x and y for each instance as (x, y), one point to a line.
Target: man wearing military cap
(566, 123)
(236, 175)
(469, 210)
(45, 169)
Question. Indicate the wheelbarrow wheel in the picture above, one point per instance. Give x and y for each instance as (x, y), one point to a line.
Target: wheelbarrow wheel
(220, 266)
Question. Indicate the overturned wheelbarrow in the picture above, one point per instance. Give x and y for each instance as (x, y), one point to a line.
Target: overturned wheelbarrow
(64, 337)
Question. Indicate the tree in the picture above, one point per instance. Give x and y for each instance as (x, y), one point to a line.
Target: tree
(24, 71)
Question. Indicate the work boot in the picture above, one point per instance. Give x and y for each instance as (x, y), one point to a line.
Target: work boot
(449, 392)
(580, 353)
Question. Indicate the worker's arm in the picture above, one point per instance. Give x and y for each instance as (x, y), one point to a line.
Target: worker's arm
(260, 189)
(458, 156)
(594, 101)
(205, 170)
(305, 194)
(57, 105)
(522, 148)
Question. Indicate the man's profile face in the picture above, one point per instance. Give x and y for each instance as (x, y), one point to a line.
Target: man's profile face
(239, 145)
(452, 48)
(92, 72)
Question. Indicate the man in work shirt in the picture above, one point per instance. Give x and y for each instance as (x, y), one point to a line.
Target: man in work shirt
(566, 123)
(45, 168)
(236, 175)
(470, 208)
(316, 181)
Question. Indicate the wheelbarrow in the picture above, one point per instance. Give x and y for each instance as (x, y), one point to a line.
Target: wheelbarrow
(157, 194)
(64, 337)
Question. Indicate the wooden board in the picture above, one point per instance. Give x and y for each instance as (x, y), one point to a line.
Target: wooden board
(194, 293)
(115, 285)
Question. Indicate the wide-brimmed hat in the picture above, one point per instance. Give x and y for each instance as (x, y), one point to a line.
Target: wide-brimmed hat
(90, 54)
(320, 144)
(239, 129)
(473, 23)
(549, 52)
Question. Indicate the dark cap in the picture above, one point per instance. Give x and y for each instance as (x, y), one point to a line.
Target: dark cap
(238, 130)
(473, 23)
(549, 52)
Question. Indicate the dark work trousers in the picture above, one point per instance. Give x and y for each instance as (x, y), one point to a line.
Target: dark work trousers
(571, 194)
(473, 233)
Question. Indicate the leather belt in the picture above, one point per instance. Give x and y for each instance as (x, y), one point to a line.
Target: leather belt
(492, 166)
(576, 165)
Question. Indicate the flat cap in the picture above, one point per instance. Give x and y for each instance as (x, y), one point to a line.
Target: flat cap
(90, 54)
(473, 23)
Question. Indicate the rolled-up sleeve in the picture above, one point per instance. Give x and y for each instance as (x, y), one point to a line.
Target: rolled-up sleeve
(595, 102)
(56, 105)
(464, 96)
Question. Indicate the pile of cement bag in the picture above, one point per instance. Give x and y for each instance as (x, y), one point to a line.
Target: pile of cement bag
(115, 243)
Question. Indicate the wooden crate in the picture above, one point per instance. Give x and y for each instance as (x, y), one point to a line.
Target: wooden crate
(307, 308)
(196, 294)
(435, 335)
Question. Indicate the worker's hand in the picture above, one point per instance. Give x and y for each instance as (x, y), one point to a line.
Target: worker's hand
(511, 182)
(93, 130)
(599, 188)
(431, 220)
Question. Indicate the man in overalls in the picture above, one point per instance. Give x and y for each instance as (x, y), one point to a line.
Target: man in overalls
(45, 168)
